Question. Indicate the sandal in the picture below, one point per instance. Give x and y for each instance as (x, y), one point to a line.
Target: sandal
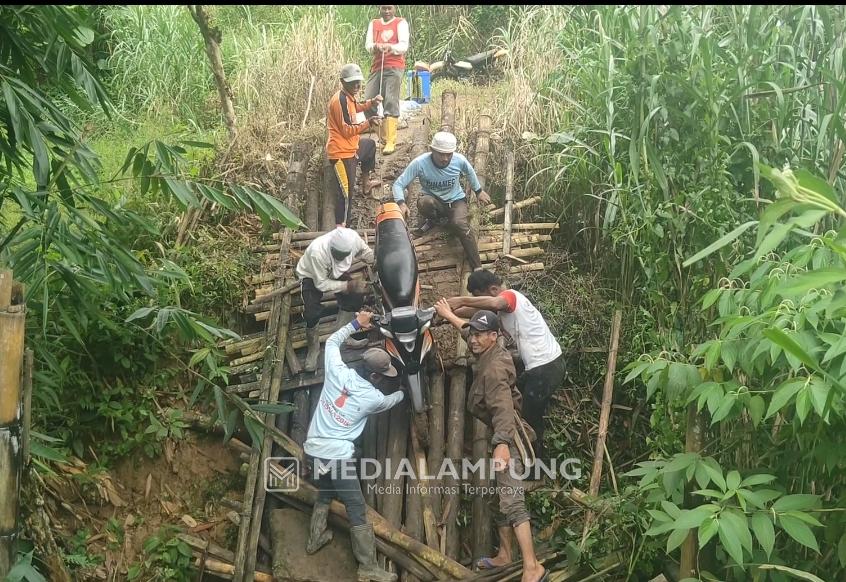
(486, 564)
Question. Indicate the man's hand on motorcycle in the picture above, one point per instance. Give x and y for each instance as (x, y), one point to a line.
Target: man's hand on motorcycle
(375, 121)
(378, 98)
(404, 209)
(484, 198)
(443, 308)
(363, 317)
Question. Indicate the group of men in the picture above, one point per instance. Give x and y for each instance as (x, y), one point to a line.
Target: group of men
(513, 406)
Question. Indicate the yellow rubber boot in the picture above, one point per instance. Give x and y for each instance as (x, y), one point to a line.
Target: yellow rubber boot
(390, 136)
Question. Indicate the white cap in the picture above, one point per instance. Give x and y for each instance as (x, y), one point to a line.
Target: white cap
(444, 142)
(351, 72)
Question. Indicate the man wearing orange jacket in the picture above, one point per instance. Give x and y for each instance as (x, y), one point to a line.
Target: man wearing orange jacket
(345, 148)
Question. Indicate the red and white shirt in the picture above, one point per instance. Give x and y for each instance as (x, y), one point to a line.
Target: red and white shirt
(535, 343)
(395, 33)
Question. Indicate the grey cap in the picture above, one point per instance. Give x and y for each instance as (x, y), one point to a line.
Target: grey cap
(484, 320)
(379, 361)
(351, 72)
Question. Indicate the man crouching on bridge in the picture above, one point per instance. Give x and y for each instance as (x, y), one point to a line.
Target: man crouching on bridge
(347, 399)
(495, 400)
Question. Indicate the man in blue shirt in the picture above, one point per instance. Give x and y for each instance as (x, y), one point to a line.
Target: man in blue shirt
(439, 172)
(348, 397)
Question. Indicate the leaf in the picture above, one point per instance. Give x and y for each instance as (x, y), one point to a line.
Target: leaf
(803, 404)
(762, 526)
(802, 575)
(841, 551)
(45, 452)
(780, 338)
(730, 539)
(819, 392)
(272, 408)
(725, 408)
(657, 168)
(707, 530)
(729, 354)
(182, 191)
(757, 479)
(796, 502)
(732, 480)
(715, 473)
(783, 394)
(818, 279)
(720, 243)
(799, 531)
(756, 408)
(676, 539)
(140, 313)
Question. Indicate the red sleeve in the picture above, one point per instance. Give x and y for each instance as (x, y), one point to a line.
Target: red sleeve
(510, 298)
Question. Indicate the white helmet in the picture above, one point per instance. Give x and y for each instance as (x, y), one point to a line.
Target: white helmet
(351, 72)
(444, 142)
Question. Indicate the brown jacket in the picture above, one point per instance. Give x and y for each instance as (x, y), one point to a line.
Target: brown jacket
(494, 397)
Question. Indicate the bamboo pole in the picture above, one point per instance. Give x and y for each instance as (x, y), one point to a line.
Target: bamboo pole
(436, 436)
(517, 205)
(27, 404)
(12, 319)
(509, 202)
(455, 451)
(397, 439)
(427, 512)
(604, 416)
(694, 442)
(270, 383)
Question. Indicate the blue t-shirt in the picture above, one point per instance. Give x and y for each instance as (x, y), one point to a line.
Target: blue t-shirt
(440, 182)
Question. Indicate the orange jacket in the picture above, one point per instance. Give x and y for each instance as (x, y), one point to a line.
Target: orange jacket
(343, 129)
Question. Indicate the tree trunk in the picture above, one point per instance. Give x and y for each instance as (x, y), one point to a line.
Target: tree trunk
(211, 38)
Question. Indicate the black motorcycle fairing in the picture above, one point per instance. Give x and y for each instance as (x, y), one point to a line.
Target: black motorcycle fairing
(397, 263)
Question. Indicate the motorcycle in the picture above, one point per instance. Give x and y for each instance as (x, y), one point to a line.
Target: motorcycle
(403, 323)
(450, 67)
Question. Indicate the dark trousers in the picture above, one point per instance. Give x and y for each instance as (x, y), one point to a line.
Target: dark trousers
(343, 182)
(458, 213)
(536, 386)
(336, 485)
(313, 309)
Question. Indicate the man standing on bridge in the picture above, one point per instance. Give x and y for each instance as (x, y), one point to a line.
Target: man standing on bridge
(348, 397)
(387, 40)
(442, 197)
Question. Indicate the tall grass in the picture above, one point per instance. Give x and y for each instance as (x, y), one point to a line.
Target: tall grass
(649, 120)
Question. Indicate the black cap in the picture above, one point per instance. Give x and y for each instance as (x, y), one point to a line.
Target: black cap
(484, 320)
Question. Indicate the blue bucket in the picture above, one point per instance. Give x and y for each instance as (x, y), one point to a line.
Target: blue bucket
(419, 86)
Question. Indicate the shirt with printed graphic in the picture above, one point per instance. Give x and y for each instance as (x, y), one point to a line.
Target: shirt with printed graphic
(346, 401)
(440, 182)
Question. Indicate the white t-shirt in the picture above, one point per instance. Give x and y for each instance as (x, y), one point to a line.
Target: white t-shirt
(535, 343)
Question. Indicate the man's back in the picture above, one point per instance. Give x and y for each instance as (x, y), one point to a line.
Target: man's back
(525, 324)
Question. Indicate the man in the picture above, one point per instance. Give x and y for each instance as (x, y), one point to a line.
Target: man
(495, 400)
(345, 148)
(538, 348)
(324, 268)
(348, 397)
(387, 40)
(442, 197)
